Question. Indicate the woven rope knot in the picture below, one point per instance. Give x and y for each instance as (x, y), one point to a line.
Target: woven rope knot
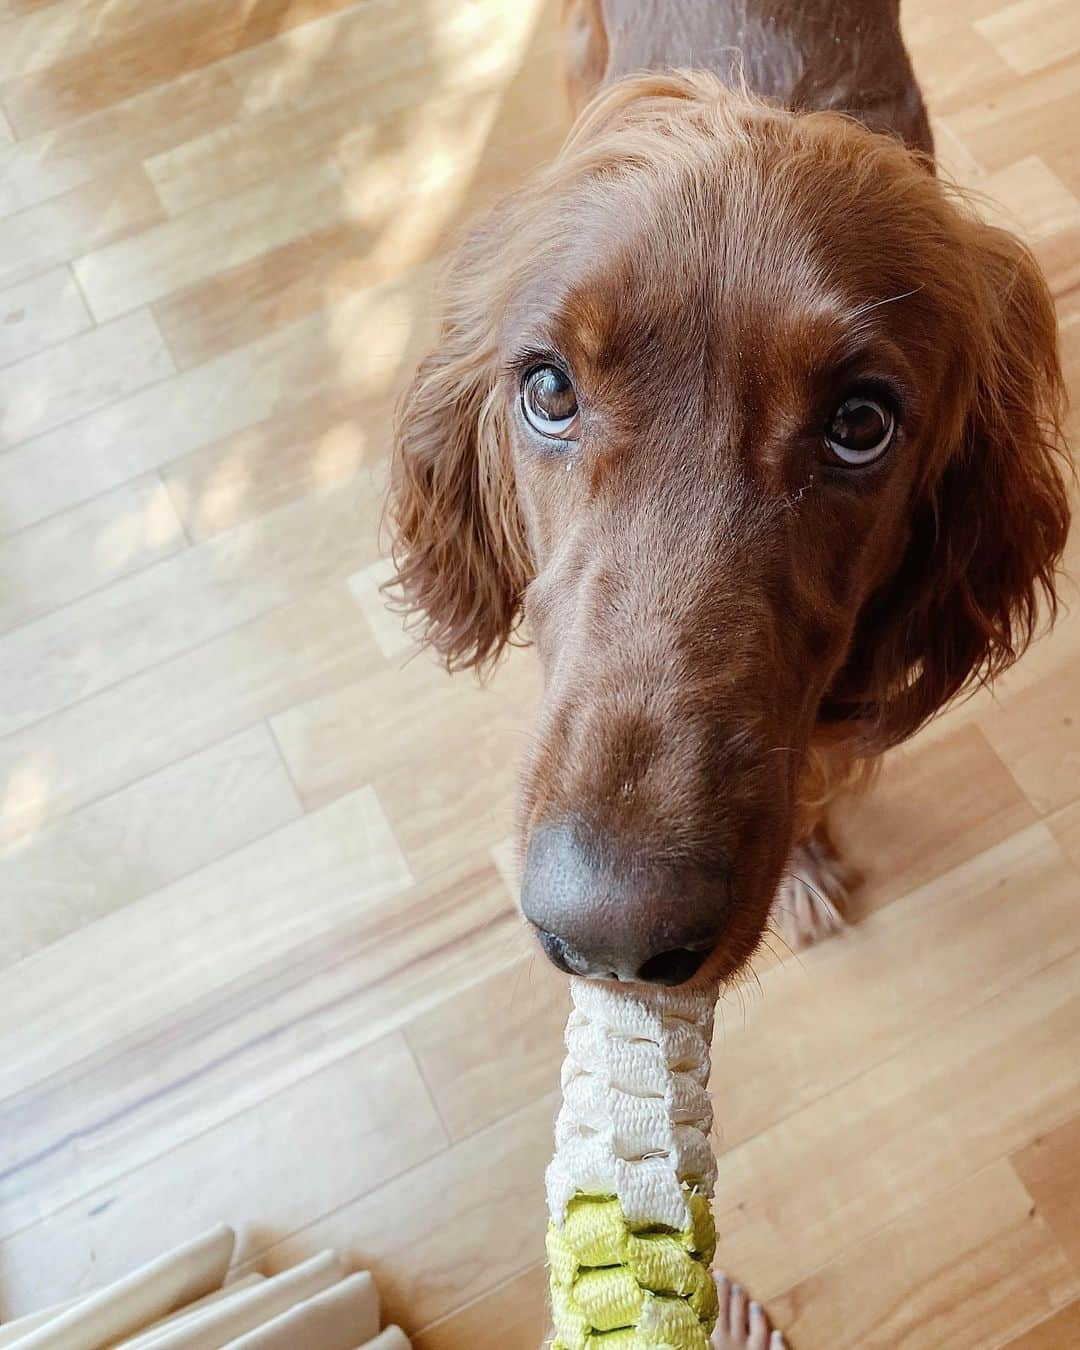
(614, 1284)
(636, 1114)
(631, 1237)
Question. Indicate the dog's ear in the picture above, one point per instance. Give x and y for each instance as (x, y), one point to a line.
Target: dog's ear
(459, 548)
(459, 544)
(980, 564)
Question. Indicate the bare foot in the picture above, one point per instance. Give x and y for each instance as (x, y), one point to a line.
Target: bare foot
(809, 905)
(742, 1324)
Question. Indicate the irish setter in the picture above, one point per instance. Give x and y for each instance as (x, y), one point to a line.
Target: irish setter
(756, 427)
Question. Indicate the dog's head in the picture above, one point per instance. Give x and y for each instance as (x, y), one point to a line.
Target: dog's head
(757, 426)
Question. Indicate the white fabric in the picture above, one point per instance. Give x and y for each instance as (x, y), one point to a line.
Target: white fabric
(636, 1113)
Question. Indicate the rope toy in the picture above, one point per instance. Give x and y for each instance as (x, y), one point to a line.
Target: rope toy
(631, 1237)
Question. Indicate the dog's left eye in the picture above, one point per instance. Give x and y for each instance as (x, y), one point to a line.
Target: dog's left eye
(860, 431)
(549, 402)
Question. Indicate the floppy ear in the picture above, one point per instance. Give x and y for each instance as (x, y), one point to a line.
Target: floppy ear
(459, 547)
(459, 543)
(987, 536)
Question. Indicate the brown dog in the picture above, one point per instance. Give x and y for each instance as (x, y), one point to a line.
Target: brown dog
(758, 428)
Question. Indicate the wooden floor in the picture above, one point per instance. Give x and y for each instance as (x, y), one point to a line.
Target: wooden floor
(259, 957)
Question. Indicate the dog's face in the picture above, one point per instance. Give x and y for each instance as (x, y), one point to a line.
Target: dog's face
(753, 424)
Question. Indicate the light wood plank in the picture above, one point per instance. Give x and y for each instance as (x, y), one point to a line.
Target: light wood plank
(107, 142)
(357, 346)
(514, 1313)
(87, 217)
(311, 449)
(39, 313)
(1066, 827)
(922, 18)
(141, 838)
(1031, 34)
(940, 800)
(80, 375)
(1036, 203)
(312, 63)
(358, 734)
(231, 917)
(1037, 733)
(35, 34)
(956, 1101)
(1001, 125)
(300, 1147)
(1055, 1332)
(143, 724)
(324, 106)
(29, 6)
(184, 601)
(149, 265)
(1050, 1169)
(389, 628)
(487, 1226)
(391, 223)
(495, 1047)
(162, 48)
(326, 995)
(82, 550)
(967, 1269)
(955, 62)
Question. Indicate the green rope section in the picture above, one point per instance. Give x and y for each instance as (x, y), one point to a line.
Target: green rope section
(614, 1288)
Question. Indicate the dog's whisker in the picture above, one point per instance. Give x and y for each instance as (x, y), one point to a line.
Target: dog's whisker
(889, 300)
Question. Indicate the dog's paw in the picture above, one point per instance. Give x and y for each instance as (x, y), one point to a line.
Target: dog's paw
(810, 903)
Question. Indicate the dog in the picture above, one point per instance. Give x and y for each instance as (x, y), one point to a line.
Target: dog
(757, 429)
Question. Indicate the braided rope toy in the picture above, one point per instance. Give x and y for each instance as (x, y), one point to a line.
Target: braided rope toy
(631, 1236)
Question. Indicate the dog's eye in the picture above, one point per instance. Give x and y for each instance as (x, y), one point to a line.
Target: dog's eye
(859, 431)
(549, 402)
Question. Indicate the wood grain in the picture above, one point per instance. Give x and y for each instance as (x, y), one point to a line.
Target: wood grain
(173, 710)
(357, 346)
(260, 958)
(89, 216)
(898, 837)
(486, 1227)
(1066, 826)
(56, 562)
(514, 1313)
(142, 837)
(388, 1128)
(164, 47)
(39, 313)
(1032, 34)
(967, 1269)
(40, 167)
(86, 372)
(1050, 1169)
(1063, 1328)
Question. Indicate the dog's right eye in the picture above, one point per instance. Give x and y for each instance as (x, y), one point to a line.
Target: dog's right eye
(860, 430)
(549, 403)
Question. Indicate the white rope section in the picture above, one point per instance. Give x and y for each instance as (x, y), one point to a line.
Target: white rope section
(636, 1114)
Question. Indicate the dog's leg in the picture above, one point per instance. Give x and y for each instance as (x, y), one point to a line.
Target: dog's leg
(811, 899)
(812, 896)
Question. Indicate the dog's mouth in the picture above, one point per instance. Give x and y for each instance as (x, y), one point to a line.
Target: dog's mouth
(676, 966)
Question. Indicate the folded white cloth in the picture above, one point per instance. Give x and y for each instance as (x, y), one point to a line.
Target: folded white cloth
(177, 1302)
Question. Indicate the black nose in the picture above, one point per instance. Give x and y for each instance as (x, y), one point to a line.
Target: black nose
(603, 912)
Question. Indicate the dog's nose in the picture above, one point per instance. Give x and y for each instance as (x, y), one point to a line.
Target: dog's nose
(602, 912)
